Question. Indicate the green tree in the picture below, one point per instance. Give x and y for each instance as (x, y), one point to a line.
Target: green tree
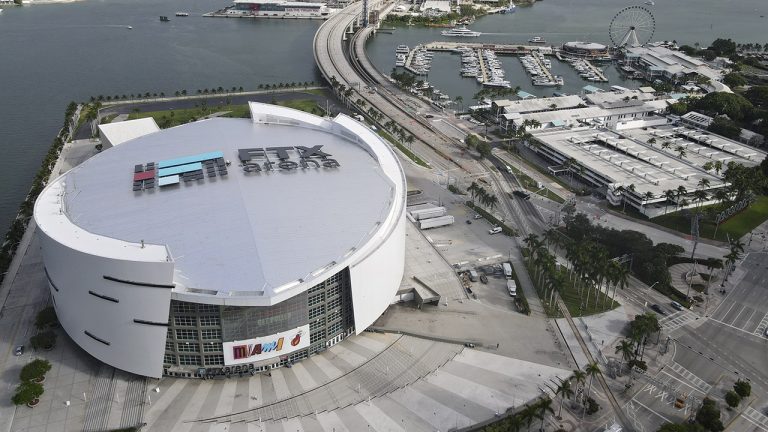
(725, 127)
(734, 79)
(758, 95)
(709, 416)
(46, 318)
(592, 370)
(732, 399)
(484, 149)
(565, 392)
(34, 370)
(46, 339)
(723, 47)
(742, 388)
(26, 393)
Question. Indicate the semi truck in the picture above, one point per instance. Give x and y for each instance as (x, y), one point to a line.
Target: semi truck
(428, 213)
(435, 222)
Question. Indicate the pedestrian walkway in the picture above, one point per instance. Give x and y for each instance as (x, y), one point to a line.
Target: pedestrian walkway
(424, 262)
(471, 387)
(690, 377)
(757, 418)
(676, 320)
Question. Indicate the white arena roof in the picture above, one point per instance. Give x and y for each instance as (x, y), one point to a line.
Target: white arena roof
(243, 233)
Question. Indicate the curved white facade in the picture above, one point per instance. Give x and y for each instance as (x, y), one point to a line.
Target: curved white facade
(113, 278)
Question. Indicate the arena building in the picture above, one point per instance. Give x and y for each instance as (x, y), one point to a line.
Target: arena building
(588, 50)
(225, 245)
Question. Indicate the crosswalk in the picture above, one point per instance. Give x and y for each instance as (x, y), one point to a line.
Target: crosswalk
(676, 320)
(760, 330)
(757, 418)
(691, 379)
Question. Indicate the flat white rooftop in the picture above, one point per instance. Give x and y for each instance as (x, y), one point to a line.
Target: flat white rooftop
(625, 161)
(242, 233)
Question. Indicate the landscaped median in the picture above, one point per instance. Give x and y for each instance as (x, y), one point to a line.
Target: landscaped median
(411, 155)
(532, 186)
(504, 228)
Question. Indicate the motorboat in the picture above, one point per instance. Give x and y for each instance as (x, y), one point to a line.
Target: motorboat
(402, 49)
(537, 40)
(182, 14)
(460, 32)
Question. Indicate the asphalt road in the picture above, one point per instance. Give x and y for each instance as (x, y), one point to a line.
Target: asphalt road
(733, 342)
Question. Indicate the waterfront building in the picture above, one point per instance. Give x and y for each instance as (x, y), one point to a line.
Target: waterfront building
(279, 9)
(658, 62)
(225, 245)
(587, 50)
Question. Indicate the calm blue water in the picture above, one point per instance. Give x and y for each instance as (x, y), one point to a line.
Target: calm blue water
(52, 54)
(558, 21)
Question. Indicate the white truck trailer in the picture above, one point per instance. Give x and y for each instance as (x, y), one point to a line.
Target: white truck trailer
(435, 222)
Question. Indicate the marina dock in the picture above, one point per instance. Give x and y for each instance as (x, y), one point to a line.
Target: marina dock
(587, 70)
(483, 67)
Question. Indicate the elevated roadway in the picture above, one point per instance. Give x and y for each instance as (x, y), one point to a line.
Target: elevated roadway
(336, 63)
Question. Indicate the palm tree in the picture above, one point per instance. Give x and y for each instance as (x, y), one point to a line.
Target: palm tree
(565, 392)
(666, 144)
(626, 349)
(579, 377)
(543, 407)
(718, 166)
(704, 183)
(491, 201)
(680, 150)
(669, 194)
(700, 196)
(473, 190)
(648, 196)
(592, 370)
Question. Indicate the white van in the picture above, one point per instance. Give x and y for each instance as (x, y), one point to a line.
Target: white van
(512, 288)
(509, 170)
(494, 230)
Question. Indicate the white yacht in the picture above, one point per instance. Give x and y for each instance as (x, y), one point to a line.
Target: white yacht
(537, 40)
(460, 32)
(402, 49)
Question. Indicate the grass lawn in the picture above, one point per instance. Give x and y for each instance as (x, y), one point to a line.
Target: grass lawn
(572, 299)
(171, 118)
(530, 185)
(306, 105)
(735, 227)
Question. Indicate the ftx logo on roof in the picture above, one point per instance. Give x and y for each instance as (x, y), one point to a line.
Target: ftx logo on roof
(196, 167)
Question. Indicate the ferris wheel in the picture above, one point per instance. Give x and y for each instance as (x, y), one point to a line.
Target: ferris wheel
(633, 26)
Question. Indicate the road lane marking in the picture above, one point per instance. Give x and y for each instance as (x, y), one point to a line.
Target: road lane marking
(760, 330)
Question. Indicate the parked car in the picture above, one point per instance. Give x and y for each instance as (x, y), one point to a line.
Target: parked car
(656, 308)
(19, 350)
(494, 230)
(676, 306)
(477, 216)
